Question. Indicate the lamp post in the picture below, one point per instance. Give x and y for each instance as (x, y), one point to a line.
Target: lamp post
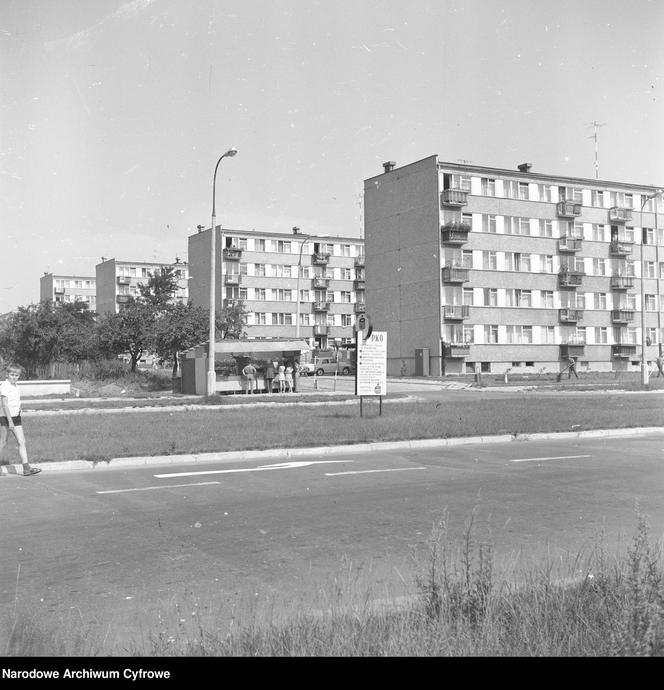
(211, 376)
(297, 290)
(644, 356)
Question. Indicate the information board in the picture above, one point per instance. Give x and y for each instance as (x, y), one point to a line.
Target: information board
(372, 365)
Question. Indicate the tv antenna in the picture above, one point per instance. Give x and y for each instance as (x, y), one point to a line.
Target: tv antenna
(464, 161)
(596, 126)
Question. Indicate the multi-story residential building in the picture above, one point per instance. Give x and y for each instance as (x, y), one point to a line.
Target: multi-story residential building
(59, 289)
(117, 281)
(281, 275)
(474, 268)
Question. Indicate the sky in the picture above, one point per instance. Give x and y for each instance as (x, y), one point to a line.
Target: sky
(113, 113)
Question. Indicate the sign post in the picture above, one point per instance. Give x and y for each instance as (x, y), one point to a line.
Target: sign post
(371, 376)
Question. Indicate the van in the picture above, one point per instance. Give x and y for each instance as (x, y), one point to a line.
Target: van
(329, 365)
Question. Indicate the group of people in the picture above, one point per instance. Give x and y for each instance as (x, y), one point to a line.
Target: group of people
(284, 374)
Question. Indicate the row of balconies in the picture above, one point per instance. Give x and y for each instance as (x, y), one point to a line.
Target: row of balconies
(358, 307)
(564, 209)
(618, 351)
(318, 258)
(454, 312)
(358, 283)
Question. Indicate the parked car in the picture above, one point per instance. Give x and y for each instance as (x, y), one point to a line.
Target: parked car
(329, 365)
(307, 368)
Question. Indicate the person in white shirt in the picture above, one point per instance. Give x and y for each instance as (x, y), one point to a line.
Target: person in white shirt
(10, 417)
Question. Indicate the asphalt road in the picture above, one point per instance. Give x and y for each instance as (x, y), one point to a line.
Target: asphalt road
(112, 552)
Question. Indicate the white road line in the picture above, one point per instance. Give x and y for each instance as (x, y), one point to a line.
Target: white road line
(555, 457)
(262, 468)
(395, 469)
(152, 488)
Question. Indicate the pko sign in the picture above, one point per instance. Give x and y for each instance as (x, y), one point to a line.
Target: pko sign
(372, 365)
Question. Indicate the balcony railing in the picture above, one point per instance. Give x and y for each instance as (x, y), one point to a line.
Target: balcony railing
(570, 279)
(122, 299)
(321, 306)
(320, 258)
(570, 315)
(232, 279)
(360, 307)
(622, 282)
(623, 351)
(568, 209)
(569, 244)
(360, 261)
(320, 282)
(59, 291)
(456, 350)
(456, 312)
(124, 280)
(618, 214)
(320, 330)
(620, 248)
(453, 197)
(359, 284)
(232, 253)
(455, 274)
(568, 350)
(455, 233)
(622, 315)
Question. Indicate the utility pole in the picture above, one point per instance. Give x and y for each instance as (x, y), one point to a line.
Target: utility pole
(596, 125)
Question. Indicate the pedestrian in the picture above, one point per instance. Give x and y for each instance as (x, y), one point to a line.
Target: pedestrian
(269, 376)
(281, 377)
(250, 373)
(572, 368)
(288, 372)
(10, 400)
(296, 375)
(660, 365)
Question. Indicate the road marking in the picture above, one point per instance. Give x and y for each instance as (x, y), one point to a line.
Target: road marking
(152, 488)
(555, 457)
(263, 468)
(395, 469)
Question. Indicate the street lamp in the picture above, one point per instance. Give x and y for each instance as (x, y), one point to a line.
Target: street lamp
(297, 290)
(644, 357)
(211, 376)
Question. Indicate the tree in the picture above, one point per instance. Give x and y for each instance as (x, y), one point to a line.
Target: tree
(158, 292)
(131, 330)
(180, 327)
(231, 321)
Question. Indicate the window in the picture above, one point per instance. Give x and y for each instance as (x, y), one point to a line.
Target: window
(488, 223)
(598, 232)
(519, 334)
(468, 296)
(488, 186)
(546, 263)
(259, 269)
(347, 320)
(259, 245)
(547, 299)
(601, 335)
(282, 246)
(490, 333)
(346, 274)
(260, 318)
(259, 293)
(524, 191)
(599, 267)
(600, 300)
(524, 226)
(510, 297)
(345, 250)
(579, 264)
(544, 191)
(525, 298)
(283, 295)
(577, 194)
(629, 200)
(549, 334)
(651, 335)
(515, 261)
(545, 228)
(651, 303)
(580, 300)
(467, 258)
(305, 296)
(648, 236)
(597, 198)
(345, 296)
(328, 296)
(305, 319)
(577, 230)
(490, 297)
(649, 267)
(510, 189)
(489, 261)
(661, 269)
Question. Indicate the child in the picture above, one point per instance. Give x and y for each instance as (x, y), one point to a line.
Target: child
(10, 417)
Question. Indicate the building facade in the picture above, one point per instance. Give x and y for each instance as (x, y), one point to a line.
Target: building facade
(292, 284)
(60, 289)
(117, 281)
(473, 268)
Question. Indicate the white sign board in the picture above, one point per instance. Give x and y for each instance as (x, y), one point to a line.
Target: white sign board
(372, 365)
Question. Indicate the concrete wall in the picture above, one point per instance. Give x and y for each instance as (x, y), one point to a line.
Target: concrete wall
(38, 388)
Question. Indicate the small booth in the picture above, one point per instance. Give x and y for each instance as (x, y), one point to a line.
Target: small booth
(231, 356)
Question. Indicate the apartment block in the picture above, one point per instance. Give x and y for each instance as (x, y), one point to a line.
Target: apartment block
(60, 289)
(473, 268)
(292, 284)
(117, 281)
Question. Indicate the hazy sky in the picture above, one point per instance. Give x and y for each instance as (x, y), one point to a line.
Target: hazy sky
(113, 113)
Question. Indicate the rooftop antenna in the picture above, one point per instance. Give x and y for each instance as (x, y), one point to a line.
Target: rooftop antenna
(359, 203)
(464, 161)
(596, 125)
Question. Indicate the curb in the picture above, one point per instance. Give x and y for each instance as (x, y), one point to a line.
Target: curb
(248, 455)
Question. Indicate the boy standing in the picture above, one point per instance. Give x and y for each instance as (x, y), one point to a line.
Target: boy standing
(10, 417)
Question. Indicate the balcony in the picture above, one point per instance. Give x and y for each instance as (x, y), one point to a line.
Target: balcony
(456, 312)
(622, 315)
(569, 244)
(232, 279)
(360, 307)
(455, 274)
(124, 280)
(359, 261)
(59, 291)
(618, 214)
(320, 330)
(228, 302)
(123, 299)
(623, 351)
(620, 248)
(568, 350)
(320, 259)
(359, 284)
(455, 233)
(456, 350)
(321, 306)
(232, 253)
(570, 315)
(321, 283)
(622, 282)
(568, 209)
(453, 197)
(570, 279)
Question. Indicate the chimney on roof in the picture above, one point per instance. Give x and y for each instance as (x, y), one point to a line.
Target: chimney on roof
(389, 166)
(525, 167)
(296, 230)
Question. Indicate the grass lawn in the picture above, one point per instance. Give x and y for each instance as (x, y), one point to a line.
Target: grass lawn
(101, 436)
